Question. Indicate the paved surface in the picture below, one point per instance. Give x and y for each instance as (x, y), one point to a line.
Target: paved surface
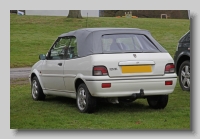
(19, 72)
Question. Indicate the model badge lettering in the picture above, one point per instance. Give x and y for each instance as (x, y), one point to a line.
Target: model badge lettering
(111, 69)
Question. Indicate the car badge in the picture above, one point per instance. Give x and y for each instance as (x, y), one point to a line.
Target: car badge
(135, 55)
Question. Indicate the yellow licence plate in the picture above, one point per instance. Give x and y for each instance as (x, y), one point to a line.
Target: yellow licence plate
(136, 69)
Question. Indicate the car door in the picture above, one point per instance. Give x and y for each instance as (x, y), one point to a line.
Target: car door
(70, 70)
(53, 66)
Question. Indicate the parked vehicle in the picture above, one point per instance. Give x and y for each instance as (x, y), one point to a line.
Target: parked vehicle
(182, 61)
(119, 64)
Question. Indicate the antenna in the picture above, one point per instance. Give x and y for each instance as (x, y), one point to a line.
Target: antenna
(86, 21)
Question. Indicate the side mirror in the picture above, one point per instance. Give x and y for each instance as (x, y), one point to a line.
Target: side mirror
(42, 56)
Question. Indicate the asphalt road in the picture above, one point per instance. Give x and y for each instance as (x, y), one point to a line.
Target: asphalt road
(19, 72)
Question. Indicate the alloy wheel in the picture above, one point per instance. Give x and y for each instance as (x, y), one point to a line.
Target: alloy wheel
(185, 76)
(81, 99)
(34, 89)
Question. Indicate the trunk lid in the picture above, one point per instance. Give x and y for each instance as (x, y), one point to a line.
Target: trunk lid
(133, 64)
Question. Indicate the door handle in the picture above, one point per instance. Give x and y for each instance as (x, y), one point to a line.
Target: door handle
(60, 64)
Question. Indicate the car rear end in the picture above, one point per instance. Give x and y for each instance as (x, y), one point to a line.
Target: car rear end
(122, 75)
(136, 66)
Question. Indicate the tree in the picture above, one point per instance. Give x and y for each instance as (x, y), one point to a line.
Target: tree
(74, 14)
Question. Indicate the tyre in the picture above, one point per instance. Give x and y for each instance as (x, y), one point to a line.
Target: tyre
(158, 102)
(184, 75)
(85, 102)
(36, 90)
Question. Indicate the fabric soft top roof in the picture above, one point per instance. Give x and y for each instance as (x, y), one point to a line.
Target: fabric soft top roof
(89, 39)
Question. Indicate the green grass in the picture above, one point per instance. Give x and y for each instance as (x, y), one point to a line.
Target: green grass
(34, 35)
(62, 113)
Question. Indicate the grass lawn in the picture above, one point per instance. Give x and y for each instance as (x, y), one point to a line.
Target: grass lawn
(62, 113)
(33, 35)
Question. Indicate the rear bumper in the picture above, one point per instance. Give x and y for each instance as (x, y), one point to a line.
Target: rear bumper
(121, 87)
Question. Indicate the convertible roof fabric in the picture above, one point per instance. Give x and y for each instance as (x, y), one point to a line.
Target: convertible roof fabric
(89, 39)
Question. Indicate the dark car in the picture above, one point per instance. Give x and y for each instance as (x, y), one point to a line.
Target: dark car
(182, 61)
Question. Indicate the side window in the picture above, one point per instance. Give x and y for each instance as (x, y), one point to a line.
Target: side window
(64, 48)
(72, 52)
(59, 49)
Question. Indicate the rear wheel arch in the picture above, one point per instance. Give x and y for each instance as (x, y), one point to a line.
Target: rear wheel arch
(78, 82)
(180, 61)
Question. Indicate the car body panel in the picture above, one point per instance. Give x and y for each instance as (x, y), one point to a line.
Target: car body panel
(52, 75)
(35, 70)
(114, 63)
(127, 87)
(73, 68)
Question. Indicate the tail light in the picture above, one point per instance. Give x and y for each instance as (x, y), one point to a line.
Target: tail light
(170, 68)
(100, 71)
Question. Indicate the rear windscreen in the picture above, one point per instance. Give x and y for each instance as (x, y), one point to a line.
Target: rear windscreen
(127, 43)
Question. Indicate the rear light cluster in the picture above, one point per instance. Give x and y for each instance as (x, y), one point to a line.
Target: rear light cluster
(100, 71)
(170, 68)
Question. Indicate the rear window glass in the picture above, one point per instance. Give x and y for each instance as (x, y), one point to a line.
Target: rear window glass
(127, 43)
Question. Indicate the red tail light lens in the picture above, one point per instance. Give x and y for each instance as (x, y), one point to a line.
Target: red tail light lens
(168, 82)
(100, 71)
(170, 68)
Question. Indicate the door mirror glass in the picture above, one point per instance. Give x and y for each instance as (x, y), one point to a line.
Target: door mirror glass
(42, 56)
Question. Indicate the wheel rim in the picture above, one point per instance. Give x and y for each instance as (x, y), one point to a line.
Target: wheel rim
(81, 99)
(34, 89)
(185, 76)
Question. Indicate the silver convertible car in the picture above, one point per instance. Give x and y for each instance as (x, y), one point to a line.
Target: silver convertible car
(117, 64)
